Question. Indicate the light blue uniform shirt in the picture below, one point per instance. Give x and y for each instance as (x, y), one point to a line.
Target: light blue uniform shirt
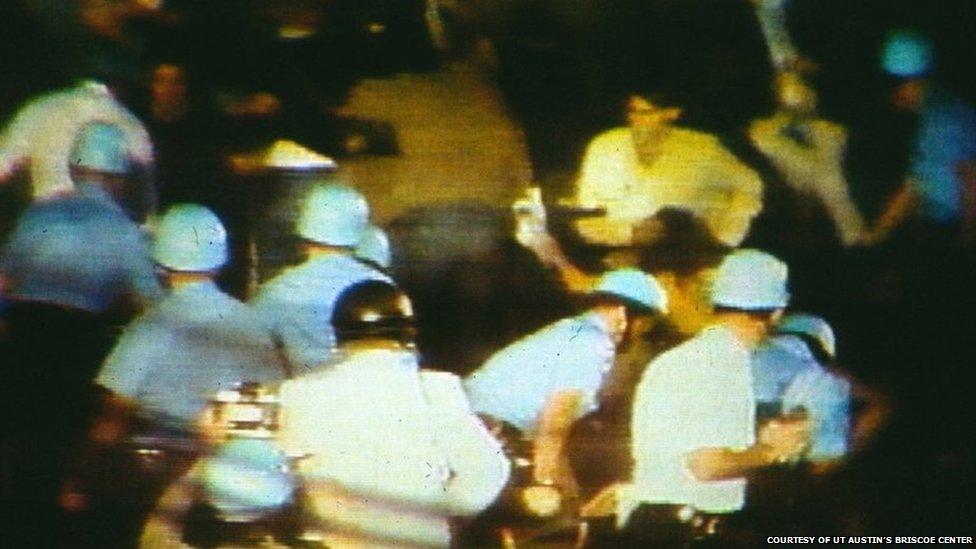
(296, 306)
(515, 384)
(786, 372)
(80, 251)
(194, 343)
(946, 137)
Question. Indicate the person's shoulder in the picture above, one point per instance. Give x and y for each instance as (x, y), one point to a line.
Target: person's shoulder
(612, 137)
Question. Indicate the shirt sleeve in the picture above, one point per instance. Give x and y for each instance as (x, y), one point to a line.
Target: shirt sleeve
(827, 399)
(133, 358)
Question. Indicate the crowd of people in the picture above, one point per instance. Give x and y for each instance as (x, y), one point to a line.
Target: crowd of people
(695, 396)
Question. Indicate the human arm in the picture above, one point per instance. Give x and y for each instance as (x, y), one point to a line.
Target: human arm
(894, 213)
(779, 441)
(553, 428)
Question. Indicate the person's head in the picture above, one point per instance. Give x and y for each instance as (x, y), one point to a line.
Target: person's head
(374, 314)
(168, 87)
(907, 56)
(815, 332)
(99, 159)
(794, 95)
(622, 295)
(656, 111)
(190, 244)
(333, 217)
(749, 293)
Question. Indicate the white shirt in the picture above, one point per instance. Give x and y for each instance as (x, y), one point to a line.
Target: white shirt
(394, 451)
(816, 170)
(697, 395)
(43, 132)
(693, 172)
(515, 384)
(296, 306)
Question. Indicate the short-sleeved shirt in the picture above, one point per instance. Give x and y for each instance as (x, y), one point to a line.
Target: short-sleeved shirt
(787, 375)
(80, 251)
(514, 385)
(194, 343)
(946, 137)
(296, 306)
(694, 172)
(398, 446)
(697, 395)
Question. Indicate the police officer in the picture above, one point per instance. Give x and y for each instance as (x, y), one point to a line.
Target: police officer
(394, 450)
(938, 193)
(790, 372)
(173, 359)
(297, 304)
(545, 381)
(693, 425)
(74, 267)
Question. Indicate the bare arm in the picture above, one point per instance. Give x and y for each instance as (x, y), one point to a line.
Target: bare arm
(779, 441)
(894, 213)
(555, 422)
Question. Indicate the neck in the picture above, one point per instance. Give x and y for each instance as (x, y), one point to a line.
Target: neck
(313, 250)
(749, 329)
(179, 279)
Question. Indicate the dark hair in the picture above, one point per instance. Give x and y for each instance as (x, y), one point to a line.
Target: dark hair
(679, 242)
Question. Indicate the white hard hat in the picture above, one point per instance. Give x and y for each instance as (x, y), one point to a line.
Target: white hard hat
(811, 326)
(335, 215)
(751, 280)
(634, 286)
(101, 147)
(190, 238)
(375, 247)
(906, 53)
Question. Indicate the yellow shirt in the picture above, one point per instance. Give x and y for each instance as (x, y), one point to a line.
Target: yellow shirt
(694, 172)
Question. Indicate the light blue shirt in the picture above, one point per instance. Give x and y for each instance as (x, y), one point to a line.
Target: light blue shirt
(81, 251)
(946, 137)
(296, 306)
(515, 384)
(194, 343)
(786, 372)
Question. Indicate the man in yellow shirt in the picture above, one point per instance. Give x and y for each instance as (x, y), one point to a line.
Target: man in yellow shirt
(634, 171)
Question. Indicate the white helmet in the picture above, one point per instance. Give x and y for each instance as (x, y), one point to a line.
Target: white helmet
(906, 54)
(811, 326)
(101, 147)
(334, 215)
(375, 247)
(635, 287)
(190, 238)
(751, 280)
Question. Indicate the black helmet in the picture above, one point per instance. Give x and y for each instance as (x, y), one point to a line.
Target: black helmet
(373, 310)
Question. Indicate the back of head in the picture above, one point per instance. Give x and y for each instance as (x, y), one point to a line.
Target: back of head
(373, 310)
(334, 215)
(678, 242)
(190, 238)
(751, 280)
(907, 54)
(101, 147)
(634, 288)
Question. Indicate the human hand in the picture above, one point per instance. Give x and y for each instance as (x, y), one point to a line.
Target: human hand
(785, 439)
